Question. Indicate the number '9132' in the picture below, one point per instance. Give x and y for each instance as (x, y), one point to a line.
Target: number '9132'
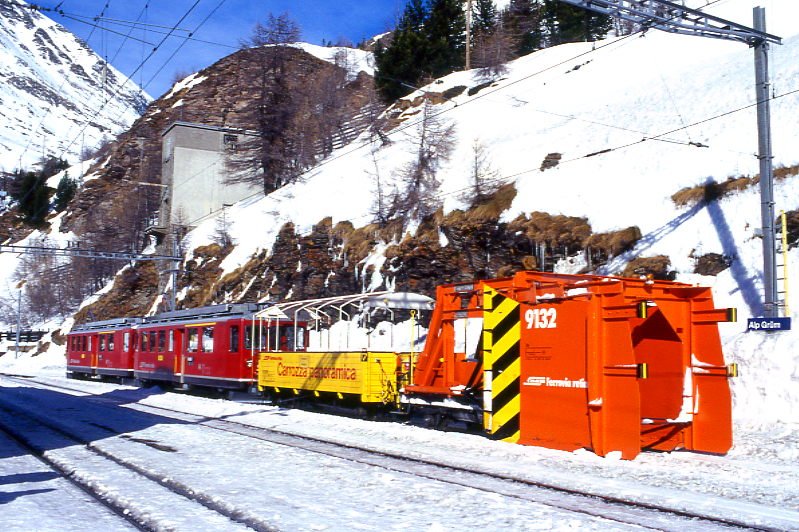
(541, 318)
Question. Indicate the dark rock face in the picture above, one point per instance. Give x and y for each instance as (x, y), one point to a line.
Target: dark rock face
(458, 247)
(200, 273)
(132, 295)
(323, 263)
(712, 264)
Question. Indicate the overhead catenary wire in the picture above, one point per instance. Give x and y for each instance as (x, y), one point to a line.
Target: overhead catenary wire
(132, 74)
(186, 39)
(504, 86)
(152, 28)
(60, 87)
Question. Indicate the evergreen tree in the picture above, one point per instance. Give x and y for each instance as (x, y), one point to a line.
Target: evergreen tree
(522, 21)
(65, 192)
(401, 63)
(31, 191)
(414, 17)
(445, 29)
(32, 194)
(429, 42)
(484, 17)
(564, 23)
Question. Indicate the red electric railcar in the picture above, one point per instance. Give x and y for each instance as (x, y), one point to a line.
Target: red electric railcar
(214, 346)
(102, 348)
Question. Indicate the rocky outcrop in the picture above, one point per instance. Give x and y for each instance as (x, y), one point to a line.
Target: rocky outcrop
(460, 246)
(132, 294)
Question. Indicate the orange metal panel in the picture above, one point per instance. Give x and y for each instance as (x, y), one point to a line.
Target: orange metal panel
(606, 363)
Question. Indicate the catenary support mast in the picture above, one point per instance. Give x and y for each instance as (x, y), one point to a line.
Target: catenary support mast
(771, 302)
(675, 18)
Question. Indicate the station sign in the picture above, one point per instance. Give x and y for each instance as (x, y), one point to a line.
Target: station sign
(768, 324)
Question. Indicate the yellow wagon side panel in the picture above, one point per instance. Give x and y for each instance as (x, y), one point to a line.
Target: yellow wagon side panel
(370, 375)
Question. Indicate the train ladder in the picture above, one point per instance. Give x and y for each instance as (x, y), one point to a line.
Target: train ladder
(782, 267)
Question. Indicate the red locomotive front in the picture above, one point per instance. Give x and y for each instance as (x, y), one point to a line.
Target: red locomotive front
(103, 348)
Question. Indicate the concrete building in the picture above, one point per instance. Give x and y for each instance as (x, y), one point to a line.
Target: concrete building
(194, 171)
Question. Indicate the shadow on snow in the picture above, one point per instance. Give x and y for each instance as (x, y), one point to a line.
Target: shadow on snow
(746, 282)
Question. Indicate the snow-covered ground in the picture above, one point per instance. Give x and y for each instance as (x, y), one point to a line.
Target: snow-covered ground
(757, 483)
(576, 100)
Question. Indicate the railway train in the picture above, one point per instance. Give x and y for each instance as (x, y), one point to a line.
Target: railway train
(603, 363)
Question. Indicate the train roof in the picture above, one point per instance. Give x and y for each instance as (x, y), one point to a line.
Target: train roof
(115, 323)
(237, 310)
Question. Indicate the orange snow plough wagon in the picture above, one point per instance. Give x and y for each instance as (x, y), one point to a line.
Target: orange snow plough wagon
(580, 361)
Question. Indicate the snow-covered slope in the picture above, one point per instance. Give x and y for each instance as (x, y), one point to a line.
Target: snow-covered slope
(659, 113)
(56, 95)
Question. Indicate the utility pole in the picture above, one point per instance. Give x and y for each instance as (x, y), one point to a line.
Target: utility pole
(675, 18)
(19, 316)
(771, 302)
(468, 35)
(174, 272)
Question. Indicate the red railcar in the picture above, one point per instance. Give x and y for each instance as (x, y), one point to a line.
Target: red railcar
(102, 348)
(212, 346)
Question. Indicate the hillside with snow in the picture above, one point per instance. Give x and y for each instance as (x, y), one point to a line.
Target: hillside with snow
(57, 96)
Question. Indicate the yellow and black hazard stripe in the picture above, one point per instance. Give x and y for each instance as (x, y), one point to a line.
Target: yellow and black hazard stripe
(501, 365)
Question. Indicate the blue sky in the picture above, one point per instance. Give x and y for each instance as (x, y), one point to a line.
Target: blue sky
(229, 22)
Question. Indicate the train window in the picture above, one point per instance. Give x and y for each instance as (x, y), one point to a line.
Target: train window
(144, 343)
(193, 340)
(126, 341)
(152, 340)
(208, 339)
(110, 342)
(171, 340)
(83, 343)
(234, 338)
(300, 343)
(161, 341)
(89, 343)
(287, 338)
(101, 342)
(260, 334)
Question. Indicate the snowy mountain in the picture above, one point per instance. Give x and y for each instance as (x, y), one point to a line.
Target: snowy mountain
(57, 97)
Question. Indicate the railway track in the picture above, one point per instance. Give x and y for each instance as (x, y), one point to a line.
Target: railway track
(615, 511)
(144, 498)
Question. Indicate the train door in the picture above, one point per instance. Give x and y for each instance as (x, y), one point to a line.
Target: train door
(190, 350)
(93, 341)
(239, 360)
(175, 345)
